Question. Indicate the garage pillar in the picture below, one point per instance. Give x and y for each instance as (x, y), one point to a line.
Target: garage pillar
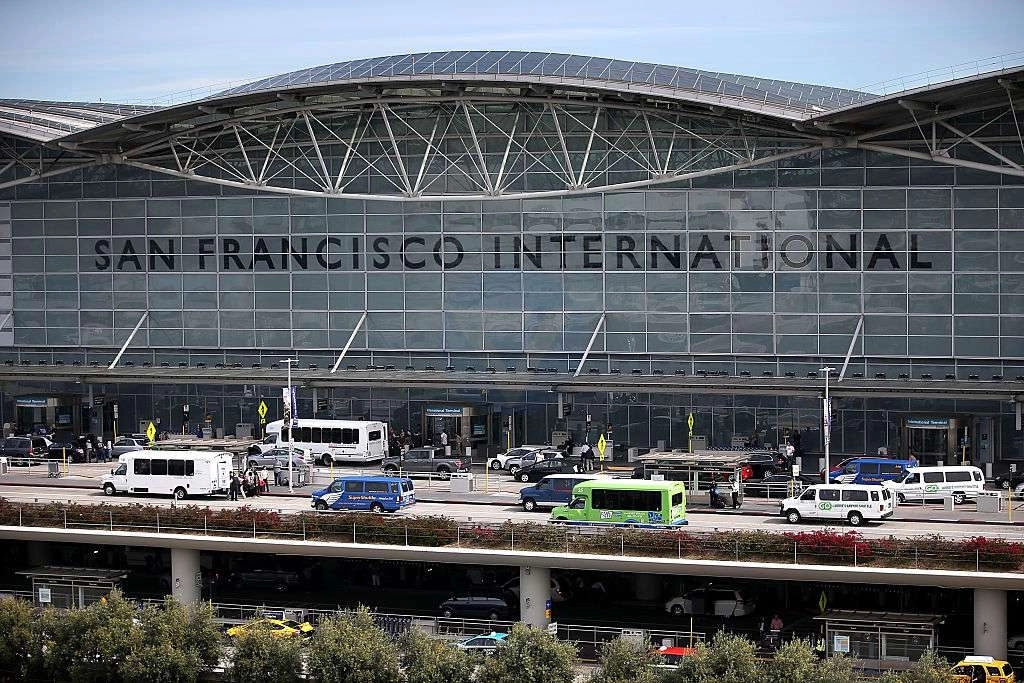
(647, 587)
(186, 577)
(534, 596)
(990, 622)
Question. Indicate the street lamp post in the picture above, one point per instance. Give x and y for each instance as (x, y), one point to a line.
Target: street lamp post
(291, 419)
(827, 420)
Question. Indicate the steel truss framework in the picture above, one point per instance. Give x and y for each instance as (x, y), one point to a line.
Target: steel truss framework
(991, 134)
(499, 142)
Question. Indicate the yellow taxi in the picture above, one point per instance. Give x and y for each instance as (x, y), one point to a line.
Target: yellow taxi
(982, 670)
(278, 628)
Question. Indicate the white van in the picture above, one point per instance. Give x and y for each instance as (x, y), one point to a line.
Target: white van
(855, 503)
(331, 441)
(174, 473)
(931, 483)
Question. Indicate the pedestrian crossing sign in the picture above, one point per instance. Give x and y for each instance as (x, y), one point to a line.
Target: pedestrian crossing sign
(601, 444)
(262, 409)
(151, 432)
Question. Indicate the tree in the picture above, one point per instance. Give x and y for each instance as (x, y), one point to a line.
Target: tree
(530, 655)
(797, 662)
(15, 636)
(726, 659)
(261, 657)
(428, 660)
(350, 648)
(173, 643)
(626, 661)
(930, 668)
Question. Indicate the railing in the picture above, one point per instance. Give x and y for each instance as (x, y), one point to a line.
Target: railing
(824, 547)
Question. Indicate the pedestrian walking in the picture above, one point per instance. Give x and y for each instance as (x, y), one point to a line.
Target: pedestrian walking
(278, 481)
(233, 487)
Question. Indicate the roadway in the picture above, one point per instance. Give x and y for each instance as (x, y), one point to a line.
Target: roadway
(913, 525)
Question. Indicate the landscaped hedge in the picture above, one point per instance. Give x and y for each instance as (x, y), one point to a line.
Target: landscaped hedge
(826, 547)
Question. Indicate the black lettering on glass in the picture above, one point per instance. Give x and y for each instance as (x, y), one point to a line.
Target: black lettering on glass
(207, 247)
(301, 257)
(230, 248)
(883, 251)
(166, 256)
(451, 257)
(322, 253)
(705, 250)
(624, 246)
(673, 255)
(383, 258)
(592, 251)
(808, 255)
(737, 239)
(129, 255)
(497, 252)
(102, 248)
(915, 256)
(261, 254)
(848, 255)
(413, 265)
(535, 256)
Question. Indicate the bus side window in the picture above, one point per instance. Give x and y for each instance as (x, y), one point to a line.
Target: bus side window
(336, 435)
(190, 468)
(142, 466)
(374, 435)
(353, 487)
(176, 468)
(807, 495)
(284, 436)
(677, 499)
(316, 435)
(159, 467)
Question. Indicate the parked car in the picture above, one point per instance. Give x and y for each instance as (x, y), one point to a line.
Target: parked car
(1009, 480)
(763, 463)
(279, 628)
(553, 490)
(982, 669)
(500, 461)
(720, 601)
(672, 657)
(485, 643)
(426, 460)
(542, 468)
(777, 486)
(278, 456)
(560, 591)
(493, 607)
(23, 447)
(518, 463)
(127, 444)
(59, 450)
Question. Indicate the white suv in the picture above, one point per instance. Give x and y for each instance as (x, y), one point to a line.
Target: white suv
(500, 462)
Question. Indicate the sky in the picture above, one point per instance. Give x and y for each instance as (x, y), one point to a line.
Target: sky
(156, 52)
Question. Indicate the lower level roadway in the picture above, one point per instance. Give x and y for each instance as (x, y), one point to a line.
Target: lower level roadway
(698, 521)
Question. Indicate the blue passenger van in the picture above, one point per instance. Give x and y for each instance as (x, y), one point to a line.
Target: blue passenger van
(552, 490)
(377, 494)
(868, 471)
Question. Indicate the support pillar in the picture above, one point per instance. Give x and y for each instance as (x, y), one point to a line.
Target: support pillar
(647, 587)
(990, 622)
(186, 577)
(534, 595)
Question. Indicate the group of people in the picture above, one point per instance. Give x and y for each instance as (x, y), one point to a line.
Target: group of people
(251, 483)
(401, 440)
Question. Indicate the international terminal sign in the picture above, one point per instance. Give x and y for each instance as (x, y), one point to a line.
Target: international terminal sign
(681, 251)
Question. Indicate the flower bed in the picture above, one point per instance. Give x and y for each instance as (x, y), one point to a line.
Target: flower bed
(820, 547)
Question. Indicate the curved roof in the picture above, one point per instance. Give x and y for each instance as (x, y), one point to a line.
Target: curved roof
(43, 121)
(784, 93)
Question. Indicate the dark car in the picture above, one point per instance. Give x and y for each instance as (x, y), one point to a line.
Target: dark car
(1009, 480)
(543, 468)
(58, 450)
(764, 463)
(493, 607)
(777, 486)
(22, 447)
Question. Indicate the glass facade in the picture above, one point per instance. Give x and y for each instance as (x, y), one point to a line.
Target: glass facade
(766, 270)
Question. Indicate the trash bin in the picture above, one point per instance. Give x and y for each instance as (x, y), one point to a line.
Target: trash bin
(988, 501)
(947, 504)
(52, 468)
(461, 482)
(3, 466)
(243, 430)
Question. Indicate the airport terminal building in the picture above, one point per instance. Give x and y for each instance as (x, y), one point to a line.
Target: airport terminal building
(483, 239)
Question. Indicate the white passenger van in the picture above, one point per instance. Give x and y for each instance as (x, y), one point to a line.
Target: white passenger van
(332, 441)
(174, 473)
(933, 483)
(856, 503)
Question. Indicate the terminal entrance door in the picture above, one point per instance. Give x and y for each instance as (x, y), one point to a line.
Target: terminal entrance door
(930, 439)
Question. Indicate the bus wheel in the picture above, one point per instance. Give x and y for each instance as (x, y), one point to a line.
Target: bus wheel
(793, 517)
(180, 493)
(376, 508)
(325, 460)
(109, 489)
(855, 518)
(321, 505)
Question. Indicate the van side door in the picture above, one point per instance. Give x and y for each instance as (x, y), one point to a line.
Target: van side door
(870, 473)
(352, 497)
(828, 499)
(807, 503)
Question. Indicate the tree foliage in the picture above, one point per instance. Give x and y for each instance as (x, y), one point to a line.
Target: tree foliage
(15, 636)
(429, 660)
(626, 661)
(797, 662)
(350, 648)
(726, 659)
(172, 643)
(530, 655)
(261, 657)
(930, 668)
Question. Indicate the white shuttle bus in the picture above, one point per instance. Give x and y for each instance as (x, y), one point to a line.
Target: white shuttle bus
(332, 441)
(172, 473)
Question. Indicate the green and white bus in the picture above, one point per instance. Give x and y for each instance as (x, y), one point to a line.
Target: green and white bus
(625, 502)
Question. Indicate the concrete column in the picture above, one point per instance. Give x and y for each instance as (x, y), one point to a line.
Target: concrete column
(990, 622)
(186, 578)
(534, 594)
(647, 587)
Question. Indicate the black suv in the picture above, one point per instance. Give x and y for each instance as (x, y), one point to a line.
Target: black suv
(1009, 480)
(764, 463)
(493, 607)
(20, 447)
